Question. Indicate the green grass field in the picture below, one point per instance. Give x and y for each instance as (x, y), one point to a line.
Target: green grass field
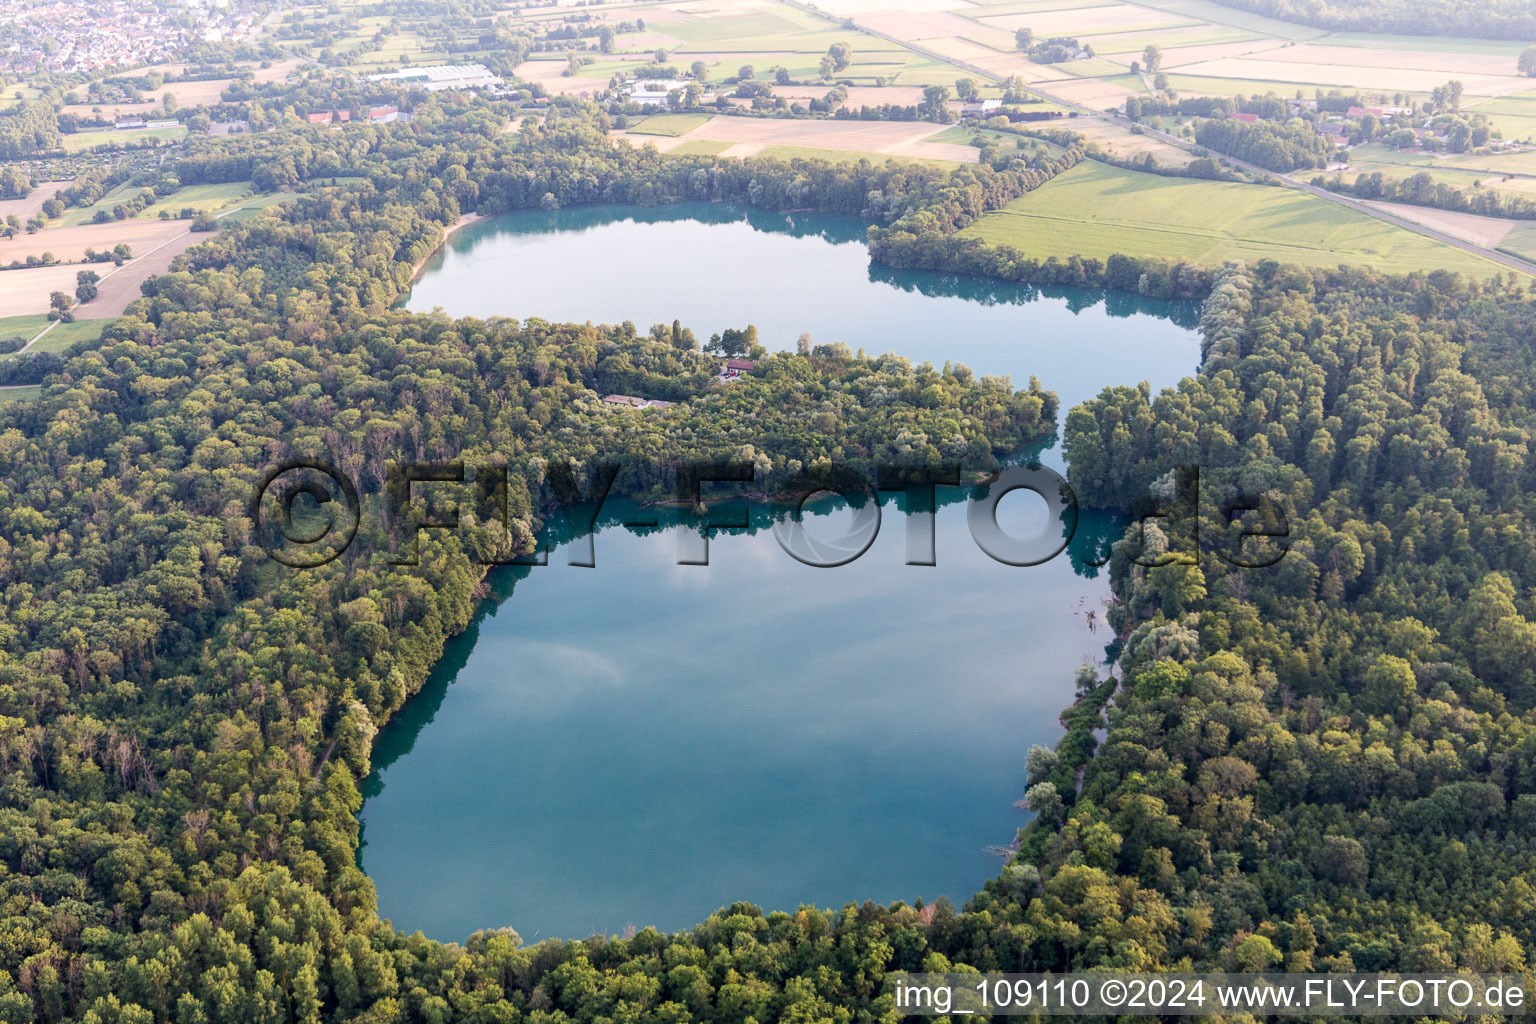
(58, 339)
(255, 204)
(671, 125)
(25, 327)
(83, 214)
(1428, 44)
(1516, 118)
(65, 335)
(82, 141)
(699, 147)
(1219, 14)
(211, 198)
(1097, 210)
(1521, 240)
(24, 393)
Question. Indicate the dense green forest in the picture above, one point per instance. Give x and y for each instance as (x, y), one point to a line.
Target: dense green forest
(1283, 147)
(1488, 19)
(1328, 763)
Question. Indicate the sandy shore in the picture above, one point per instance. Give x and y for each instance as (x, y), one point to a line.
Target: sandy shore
(468, 218)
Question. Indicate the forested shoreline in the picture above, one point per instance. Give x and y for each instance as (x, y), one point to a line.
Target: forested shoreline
(1325, 764)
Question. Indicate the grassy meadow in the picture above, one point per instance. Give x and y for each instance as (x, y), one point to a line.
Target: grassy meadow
(1097, 210)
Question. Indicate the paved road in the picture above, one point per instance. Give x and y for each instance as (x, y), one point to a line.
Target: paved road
(1513, 262)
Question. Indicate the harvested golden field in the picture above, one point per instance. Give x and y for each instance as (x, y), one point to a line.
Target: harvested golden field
(1183, 56)
(971, 52)
(1124, 144)
(279, 70)
(1487, 232)
(920, 25)
(71, 243)
(896, 138)
(188, 94)
(121, 286)
(550, 74)
(33, 202)
(1448, 62)
(1092, 93)
(1085, 21)
(860, 8)
(1275, 66)
(748, 136)
(858, 95)
(25, 292)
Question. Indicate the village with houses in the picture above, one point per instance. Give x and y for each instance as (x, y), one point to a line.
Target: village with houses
(64, 37)
(133, 89)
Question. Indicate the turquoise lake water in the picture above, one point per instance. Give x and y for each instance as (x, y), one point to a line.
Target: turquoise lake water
(644, 742)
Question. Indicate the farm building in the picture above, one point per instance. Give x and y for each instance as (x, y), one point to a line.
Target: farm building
(652, 92)
(985, 108)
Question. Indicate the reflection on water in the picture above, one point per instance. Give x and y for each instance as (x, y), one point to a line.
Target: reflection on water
(715, 265)
(643, 742)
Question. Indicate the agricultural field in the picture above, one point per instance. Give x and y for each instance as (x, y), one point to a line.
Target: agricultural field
(1124, 145)
(1488, 232)
(1097, 210)
(1207, 48)
(1521, 240)
(70, 243)
(25, 292)
(839, 156)
(202, 198)
(24, 327)
(187, 94)
(24, 209)
(1515, 172)
(699, 147)
(81, 141)
(763, 33)
(253, 205)
(668, 124)
(749, 136)
(62, 336)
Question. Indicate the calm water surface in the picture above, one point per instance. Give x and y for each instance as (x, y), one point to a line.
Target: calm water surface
(642, 743)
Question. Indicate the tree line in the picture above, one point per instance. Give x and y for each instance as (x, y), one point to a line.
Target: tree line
(1484, 19)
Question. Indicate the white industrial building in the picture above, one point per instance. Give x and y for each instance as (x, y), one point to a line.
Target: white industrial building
(446, 76)
(652, 92)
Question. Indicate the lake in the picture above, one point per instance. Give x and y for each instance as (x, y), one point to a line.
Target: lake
(645, 742)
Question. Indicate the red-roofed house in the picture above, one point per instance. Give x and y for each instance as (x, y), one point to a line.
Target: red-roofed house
(1247, 118)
